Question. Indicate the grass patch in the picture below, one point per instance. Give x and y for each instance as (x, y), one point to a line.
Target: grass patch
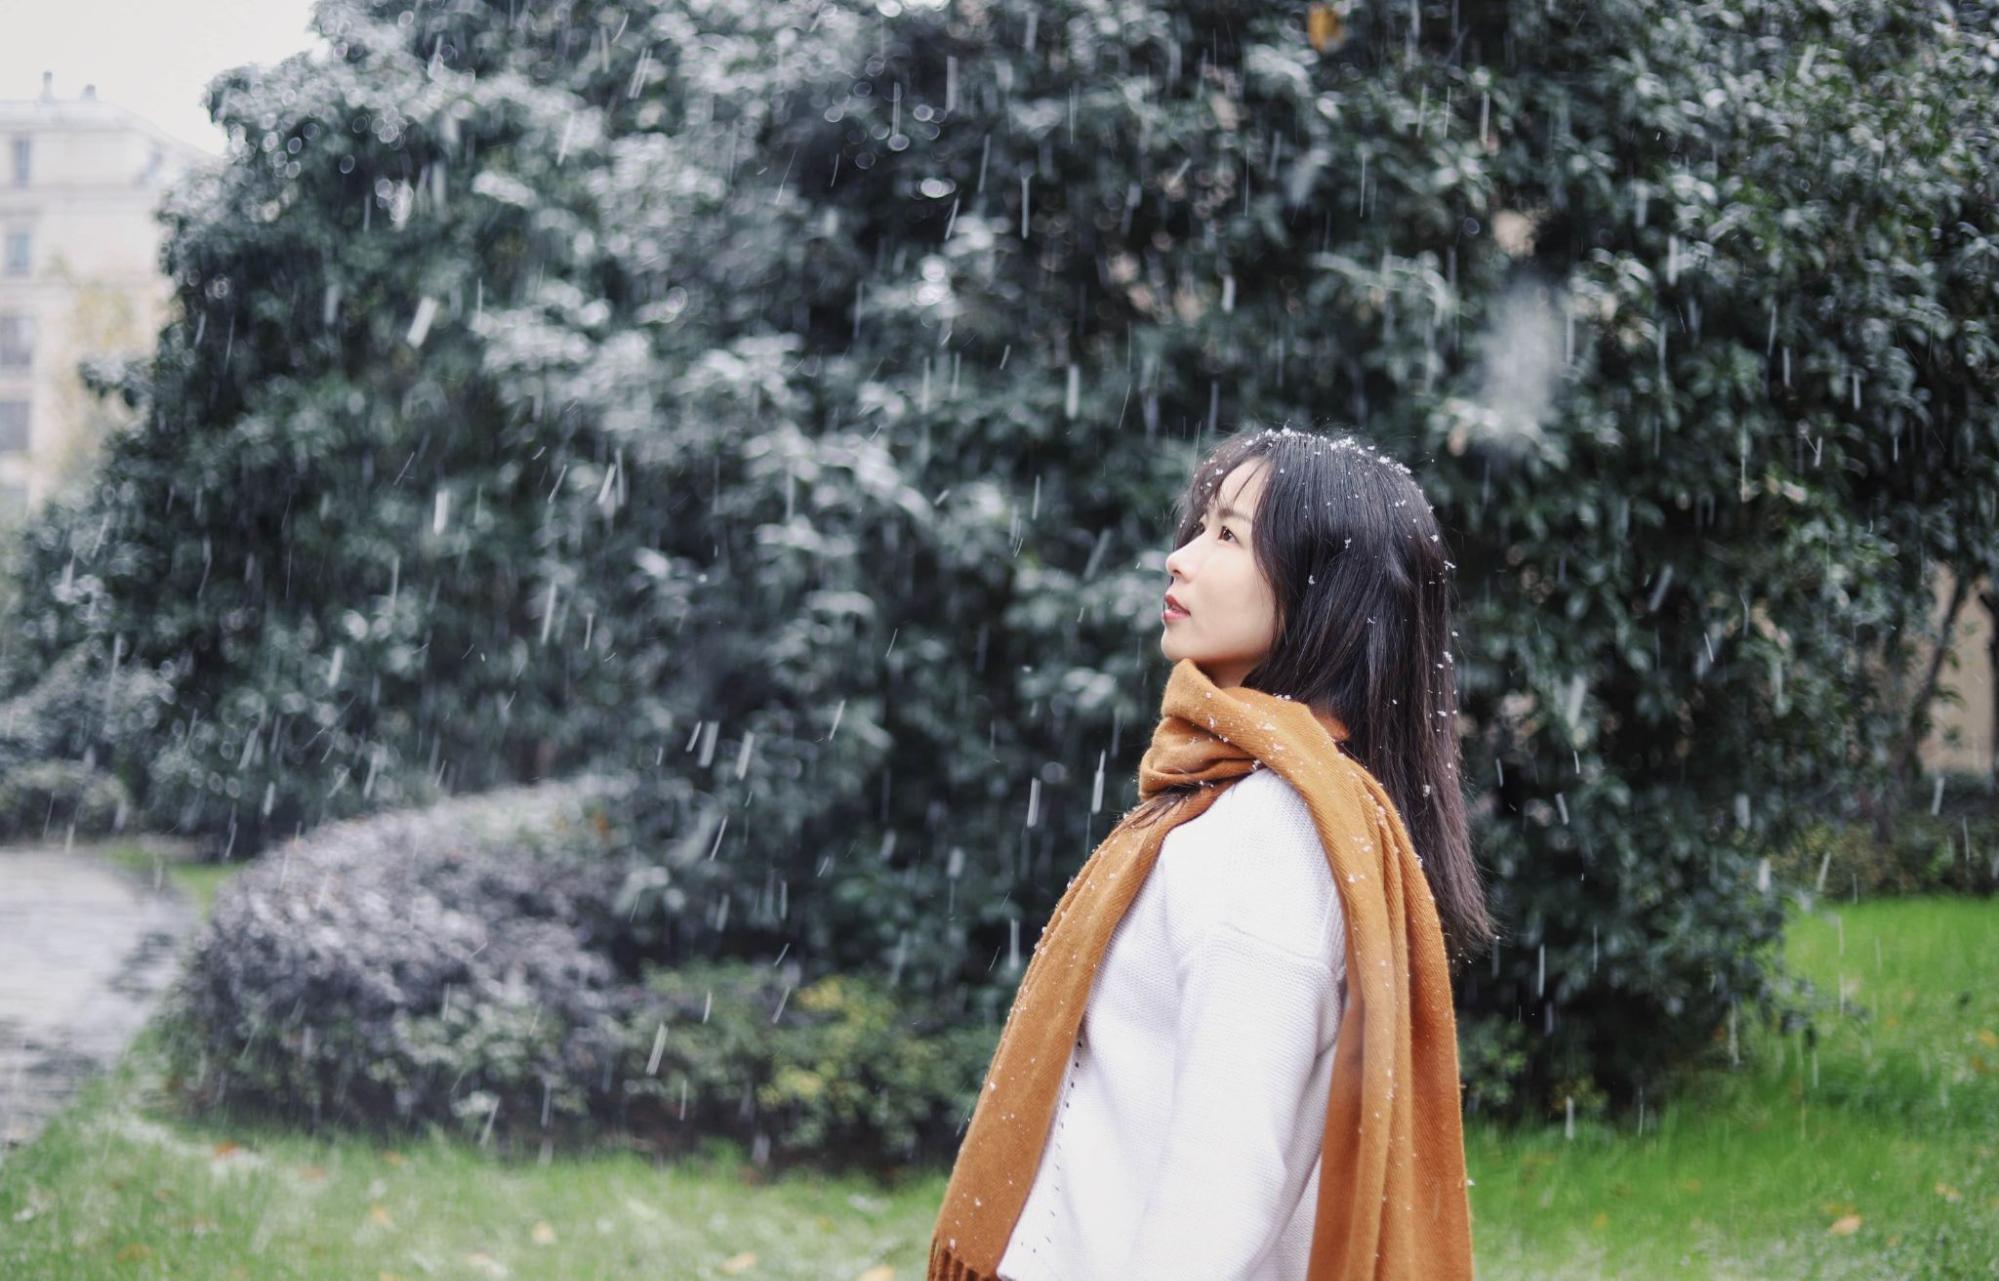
(117, 1188)
(1872, 1153)
(197, 881)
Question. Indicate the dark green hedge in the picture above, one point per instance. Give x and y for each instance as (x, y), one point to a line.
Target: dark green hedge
(1950, 846)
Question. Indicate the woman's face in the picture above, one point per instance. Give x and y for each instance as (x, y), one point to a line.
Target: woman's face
(1230, 618)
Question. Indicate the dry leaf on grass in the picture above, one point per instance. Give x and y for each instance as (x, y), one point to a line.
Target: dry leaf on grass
(740, 1263)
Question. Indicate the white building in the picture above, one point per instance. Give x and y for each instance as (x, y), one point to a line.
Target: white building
(79, 273)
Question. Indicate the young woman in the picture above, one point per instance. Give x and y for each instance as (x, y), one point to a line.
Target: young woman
(1233, 1055)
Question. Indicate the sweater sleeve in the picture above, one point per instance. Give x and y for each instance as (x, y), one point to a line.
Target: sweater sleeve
(1252, 1015)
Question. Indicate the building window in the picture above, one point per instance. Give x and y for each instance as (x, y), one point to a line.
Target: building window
(24, 151)
(17, 342)
(13, 426)
(20, 249)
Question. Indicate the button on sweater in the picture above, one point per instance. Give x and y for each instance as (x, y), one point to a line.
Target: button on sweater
(1186, 1146)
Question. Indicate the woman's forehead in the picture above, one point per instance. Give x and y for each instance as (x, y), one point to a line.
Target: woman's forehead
(1239, 489)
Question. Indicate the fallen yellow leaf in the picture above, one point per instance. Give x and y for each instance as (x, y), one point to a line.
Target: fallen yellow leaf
(1948, 1193)
(1988, 1038)
(881, 1273)
(1691, 1185)
(312, 1173)
(1845, 1225)
(1324, 28)
(393, 1157)
(542, 1234)
(486, 1263)
(379, 1213)
(740, 1263)
(136, 1250)
(1601, 1220)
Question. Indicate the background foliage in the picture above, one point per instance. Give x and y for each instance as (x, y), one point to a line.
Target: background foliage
(784, 401)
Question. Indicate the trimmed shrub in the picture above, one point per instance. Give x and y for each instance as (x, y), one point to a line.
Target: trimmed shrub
(469, 967)
(1953, 851)
(92, 705)
(66, 738)
(61, 797)
(839, 1072)
(396, 967)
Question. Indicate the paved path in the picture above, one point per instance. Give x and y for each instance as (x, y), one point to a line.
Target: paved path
(86, 948)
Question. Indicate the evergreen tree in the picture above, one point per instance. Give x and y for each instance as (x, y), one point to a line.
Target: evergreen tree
(784, 401)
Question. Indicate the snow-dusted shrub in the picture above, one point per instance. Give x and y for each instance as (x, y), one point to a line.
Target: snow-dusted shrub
(410, 965)
(471, 966)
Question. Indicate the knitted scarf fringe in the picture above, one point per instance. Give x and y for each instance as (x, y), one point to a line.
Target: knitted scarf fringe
(946, 1266)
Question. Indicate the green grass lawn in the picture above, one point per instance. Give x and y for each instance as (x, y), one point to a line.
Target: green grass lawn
(115, 1189)
(1875, 1156)
(197, 881)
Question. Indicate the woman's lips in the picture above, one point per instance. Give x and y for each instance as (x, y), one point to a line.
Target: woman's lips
(1170, 614)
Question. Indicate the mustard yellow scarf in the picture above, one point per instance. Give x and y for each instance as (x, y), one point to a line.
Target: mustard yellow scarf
(1392, 1204)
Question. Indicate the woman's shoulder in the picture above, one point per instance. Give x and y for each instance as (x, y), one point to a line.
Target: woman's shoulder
(1255, 861)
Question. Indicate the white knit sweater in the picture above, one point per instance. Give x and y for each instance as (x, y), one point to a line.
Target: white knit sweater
(1194, 1103)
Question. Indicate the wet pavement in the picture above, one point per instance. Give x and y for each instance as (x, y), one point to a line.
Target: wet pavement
(87, 946)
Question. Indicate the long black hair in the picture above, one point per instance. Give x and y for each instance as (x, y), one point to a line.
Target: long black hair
(1356, 561)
